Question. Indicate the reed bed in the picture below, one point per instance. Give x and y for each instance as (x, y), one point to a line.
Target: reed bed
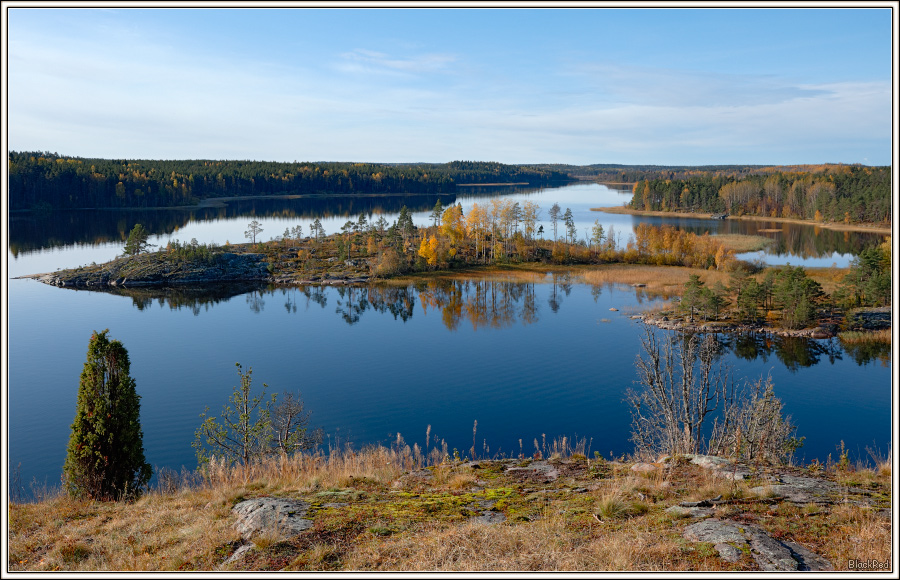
(857, 337)
(743, 242)
(656, 279)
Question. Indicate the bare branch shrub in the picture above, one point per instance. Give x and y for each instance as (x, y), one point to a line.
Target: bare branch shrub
(754, 429)
(290, 425)
(681, 389)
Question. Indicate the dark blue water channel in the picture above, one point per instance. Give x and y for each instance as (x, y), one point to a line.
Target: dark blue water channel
(526, 360)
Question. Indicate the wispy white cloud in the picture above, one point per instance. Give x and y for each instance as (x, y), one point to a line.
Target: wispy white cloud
(674, 87)
(373, 62)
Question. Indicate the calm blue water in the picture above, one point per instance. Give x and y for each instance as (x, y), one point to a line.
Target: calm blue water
(517, 365)
(533, 360)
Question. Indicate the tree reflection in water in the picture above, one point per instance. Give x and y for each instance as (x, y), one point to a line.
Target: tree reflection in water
(793, 352)
(483, 303)
(864, 353)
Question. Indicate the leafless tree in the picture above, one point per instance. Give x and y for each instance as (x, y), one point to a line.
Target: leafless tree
(680, 388)
(290, 425)
(754, 429)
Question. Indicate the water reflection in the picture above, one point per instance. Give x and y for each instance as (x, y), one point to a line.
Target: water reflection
(29, 232)
(869, 352)
(793, 352)
(193, 298)
(481, 303)
(800, 240)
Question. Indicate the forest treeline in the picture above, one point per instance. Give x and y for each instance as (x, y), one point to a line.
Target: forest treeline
(50, 181)
(839, 193)
(616, 173)
(849, 193)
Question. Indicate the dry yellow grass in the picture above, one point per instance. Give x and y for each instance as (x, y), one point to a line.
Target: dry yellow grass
(858, 337)
(860, 535)
(549, 544)
(620, 523)
(153, 534)
(828, 278)
(660, 280)
(743, 243)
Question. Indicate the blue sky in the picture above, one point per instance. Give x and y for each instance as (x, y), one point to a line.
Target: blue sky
(579, 86)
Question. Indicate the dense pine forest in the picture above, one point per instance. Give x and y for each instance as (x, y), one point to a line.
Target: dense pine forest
(51, 181)
(837, 193)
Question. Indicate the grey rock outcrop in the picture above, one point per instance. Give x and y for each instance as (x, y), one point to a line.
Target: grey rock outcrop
(538, 470)
(281, 517)
(732, 538)
(154, 270)
(643, 468)
(803, 490)
(870, 318)
(489, 518)
(720, 466)
(690, 511)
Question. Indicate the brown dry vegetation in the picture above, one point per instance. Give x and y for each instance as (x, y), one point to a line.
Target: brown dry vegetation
(661, 280)
(743, 243)
(598, 516)
(859, 337)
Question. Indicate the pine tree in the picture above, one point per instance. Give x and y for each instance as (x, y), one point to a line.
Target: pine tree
(105, 459)
(569, 220)
(692, 296)
(554, 217)
(436, 212)
(137, 241)
(254, 230)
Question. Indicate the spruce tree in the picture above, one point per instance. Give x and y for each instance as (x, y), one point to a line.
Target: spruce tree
(105, 459)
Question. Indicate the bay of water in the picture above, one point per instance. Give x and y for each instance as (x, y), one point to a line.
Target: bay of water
(547, 358)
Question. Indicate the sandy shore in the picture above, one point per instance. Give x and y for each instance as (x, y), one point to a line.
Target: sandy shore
(869, 228)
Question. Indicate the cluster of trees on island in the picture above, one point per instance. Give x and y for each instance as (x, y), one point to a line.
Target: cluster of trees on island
(497, 232)
(503, 231)
(837, 194)
(51, 181)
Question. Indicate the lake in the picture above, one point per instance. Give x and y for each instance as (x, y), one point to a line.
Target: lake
(527, 358)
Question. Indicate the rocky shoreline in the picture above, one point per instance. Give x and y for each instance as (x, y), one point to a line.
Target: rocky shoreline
(861, 318)
(819, 332)
(154, 270)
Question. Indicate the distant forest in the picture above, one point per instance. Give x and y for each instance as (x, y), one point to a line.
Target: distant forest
(849, 193)
(51, 181)
(836, 193)
(612, 173)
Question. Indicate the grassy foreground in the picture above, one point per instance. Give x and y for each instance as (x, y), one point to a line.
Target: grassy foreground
(381, 509)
